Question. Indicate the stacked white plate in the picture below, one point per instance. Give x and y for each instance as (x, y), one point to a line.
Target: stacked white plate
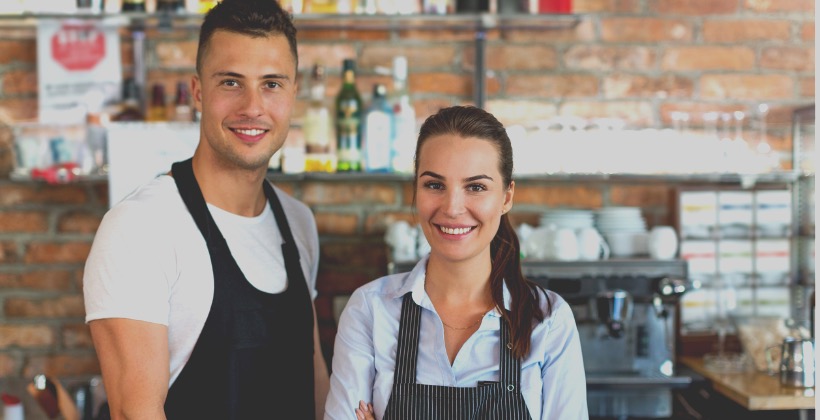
(567, 218)
(624, 229)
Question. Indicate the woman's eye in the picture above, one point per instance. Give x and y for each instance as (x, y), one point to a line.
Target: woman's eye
(476, 188)
(434, 185)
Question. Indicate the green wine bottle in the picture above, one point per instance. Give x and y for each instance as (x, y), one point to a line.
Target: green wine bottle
(348, 122)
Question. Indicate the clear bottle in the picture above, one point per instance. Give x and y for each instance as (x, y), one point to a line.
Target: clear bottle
(183, 112)
(404, 119)
(378, 131)
(348, 121)
(318, 126)
(170, 6)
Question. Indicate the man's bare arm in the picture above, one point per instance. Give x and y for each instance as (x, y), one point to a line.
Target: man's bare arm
(134, 360)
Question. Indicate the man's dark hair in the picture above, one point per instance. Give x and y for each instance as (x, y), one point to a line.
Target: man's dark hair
(255, 18)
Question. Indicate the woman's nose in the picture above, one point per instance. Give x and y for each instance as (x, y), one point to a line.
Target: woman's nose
(453, 203)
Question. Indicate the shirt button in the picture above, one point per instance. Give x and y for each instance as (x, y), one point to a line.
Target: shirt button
(509, 346)
(511, 387)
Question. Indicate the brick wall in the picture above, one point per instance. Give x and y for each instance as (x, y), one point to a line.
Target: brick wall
(637, 59)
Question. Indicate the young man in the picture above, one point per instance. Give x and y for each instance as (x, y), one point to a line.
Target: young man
(199, 285)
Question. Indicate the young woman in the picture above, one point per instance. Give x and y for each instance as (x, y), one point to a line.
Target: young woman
(463, 335)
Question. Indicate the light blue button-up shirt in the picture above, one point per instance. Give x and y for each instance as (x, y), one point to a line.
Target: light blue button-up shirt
(552, 375)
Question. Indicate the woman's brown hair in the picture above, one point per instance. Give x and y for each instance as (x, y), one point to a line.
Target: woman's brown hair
(525, 311)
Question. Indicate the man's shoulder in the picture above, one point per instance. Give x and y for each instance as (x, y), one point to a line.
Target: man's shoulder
(157, 199)
(291, 205)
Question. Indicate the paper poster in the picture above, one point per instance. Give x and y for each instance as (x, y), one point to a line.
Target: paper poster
(78, 63)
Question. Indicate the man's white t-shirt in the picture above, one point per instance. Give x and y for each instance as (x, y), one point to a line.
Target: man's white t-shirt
(149, 261)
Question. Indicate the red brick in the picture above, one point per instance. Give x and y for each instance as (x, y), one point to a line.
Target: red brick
(429, 106)
(418, 56)
(807, 87)
(46, 280)
(176, 54)
(640, 195)
(584, 31)
(62, 365)
(633, 112)
(807, 32)
(708, 58)
(442, 36)
(26, 336)
(519, 111)
(666, 86)
(341, 35)
(330, 55)
(766, 6)
(750, 87)
(36, 193)
(100, 191)
(19, 109)
(21, 51)
(17, 82)
(23, 221)
(515, 57)
(694, 7)
(9, 252)
(59, 307)
(79, 222)
(51, 252)
(9, 366)
(552, 86)
(314, 193)
(645, 29)
(441, 83)
(329, 223)
(738, 31)
(407, 191)
(77, 336)
(517, 218)
(598, 6)
(788, 58)
(558, 195)
(377, 223)
(604, 58)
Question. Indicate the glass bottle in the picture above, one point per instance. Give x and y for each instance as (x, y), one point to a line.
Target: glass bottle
(170, 6)
(182, 104)
(378, 131)
(348, 121)
(133, 6)
(404, 119)
(318, 126)
(157, 111)
(131, 109)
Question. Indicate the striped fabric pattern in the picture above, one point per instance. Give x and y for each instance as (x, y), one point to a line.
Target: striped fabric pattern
(487, 401)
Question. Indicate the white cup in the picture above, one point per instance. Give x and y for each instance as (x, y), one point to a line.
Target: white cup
(663, 243)
(591, 245)
(565, 245)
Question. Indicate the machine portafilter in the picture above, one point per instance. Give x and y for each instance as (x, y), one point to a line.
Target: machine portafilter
(613, 308)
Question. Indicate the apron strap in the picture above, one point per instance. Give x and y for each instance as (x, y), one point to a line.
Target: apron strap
(408, 345)
(510, 374)
(289, 251)
(183, 173)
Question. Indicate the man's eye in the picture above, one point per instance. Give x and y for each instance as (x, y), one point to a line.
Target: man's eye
(272, 85)
(230, 83)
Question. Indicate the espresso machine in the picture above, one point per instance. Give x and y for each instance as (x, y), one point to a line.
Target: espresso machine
(626, 313)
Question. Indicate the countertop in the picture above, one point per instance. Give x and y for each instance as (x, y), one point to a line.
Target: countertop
(754, 390)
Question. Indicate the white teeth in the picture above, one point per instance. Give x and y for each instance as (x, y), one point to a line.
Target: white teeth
(253, 132)
(454, 231)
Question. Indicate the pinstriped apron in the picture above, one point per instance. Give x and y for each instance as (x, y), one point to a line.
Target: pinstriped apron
(488, 401)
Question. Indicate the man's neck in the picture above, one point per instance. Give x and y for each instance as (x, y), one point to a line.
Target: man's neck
(234, 190)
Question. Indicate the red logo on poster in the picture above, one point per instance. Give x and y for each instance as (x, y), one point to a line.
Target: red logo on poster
(78, 47)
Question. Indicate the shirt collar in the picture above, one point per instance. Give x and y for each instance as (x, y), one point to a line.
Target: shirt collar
(414, 282)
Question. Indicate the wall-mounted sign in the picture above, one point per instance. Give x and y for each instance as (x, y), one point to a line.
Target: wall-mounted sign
(78, 66)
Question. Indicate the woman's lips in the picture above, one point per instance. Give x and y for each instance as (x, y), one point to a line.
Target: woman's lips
(455, 231)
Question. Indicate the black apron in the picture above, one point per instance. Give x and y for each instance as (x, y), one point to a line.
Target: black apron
(488, 401)
(254, 357)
